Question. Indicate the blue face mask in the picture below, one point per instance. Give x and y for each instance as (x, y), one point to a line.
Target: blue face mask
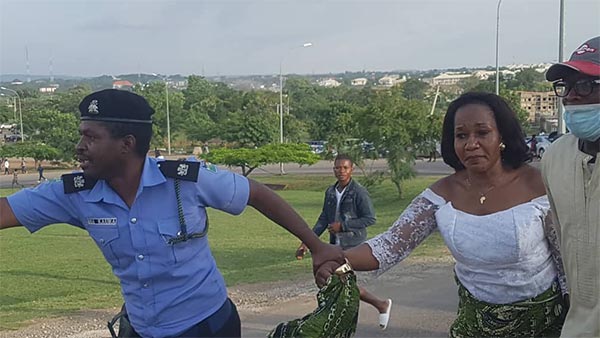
(584, 121)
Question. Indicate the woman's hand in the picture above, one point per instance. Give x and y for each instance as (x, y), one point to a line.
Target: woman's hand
(326, 253)
(327, 269)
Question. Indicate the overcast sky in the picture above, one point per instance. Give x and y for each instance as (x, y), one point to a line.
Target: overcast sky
(227, 37)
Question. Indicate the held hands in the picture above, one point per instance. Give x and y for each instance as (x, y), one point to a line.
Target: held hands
(326, 257)
(327, 269)
(335, 227)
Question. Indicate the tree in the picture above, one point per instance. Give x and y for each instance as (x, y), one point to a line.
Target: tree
(414, 89)
(68, 102)
(249, 159)
(396, 124)
(154, 93)
(255, 125)
(54, 128)
(37, 151)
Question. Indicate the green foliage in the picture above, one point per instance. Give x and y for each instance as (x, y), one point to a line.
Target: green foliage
(156, 95)
(255, 125)
(68, 102)
(396, 124)
(54, 128)
(249, 159)
(37, 151)
(414, 89)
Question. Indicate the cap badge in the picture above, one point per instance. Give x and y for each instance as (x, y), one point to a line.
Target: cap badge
(584, 49)
(93, 107)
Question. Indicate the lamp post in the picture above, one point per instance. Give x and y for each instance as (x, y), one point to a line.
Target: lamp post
(168, 118)
(168, 115)
(305, 45)
(20, 113)
(561, 38)
(497, 31)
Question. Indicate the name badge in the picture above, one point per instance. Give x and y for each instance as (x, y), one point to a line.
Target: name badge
(102, 221)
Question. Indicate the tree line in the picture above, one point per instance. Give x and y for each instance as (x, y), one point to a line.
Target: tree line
(399, 122)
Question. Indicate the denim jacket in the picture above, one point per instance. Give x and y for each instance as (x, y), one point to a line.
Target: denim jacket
(356, 214)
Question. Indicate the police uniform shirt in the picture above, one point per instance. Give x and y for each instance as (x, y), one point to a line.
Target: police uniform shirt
(167, 287)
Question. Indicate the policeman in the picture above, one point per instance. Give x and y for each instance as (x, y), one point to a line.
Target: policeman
(148, 217)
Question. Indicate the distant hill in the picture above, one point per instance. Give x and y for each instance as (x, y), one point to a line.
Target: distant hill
(23, 77)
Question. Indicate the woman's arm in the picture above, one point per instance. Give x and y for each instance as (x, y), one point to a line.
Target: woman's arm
(389, 248)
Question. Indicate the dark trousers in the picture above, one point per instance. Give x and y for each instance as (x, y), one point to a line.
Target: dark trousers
(223, 323)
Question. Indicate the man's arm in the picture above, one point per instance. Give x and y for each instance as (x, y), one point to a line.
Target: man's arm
(276, 209)
(7, 217)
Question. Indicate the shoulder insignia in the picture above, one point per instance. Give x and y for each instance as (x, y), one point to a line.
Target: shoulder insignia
(183, 170)
(77, 182)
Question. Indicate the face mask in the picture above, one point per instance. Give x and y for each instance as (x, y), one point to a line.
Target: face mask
(584, 121)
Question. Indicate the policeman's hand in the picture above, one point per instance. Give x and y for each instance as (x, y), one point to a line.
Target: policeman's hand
(301, 251)
(335, 227)
(327, 269)
(324, 253)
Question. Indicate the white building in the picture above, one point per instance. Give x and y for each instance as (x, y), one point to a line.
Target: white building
(449, 79)
(330, 83)
(361, 81)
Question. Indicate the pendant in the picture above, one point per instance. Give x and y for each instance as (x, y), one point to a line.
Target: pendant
(482, 199)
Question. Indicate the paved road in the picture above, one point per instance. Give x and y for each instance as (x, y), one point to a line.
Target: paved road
(424, 303)
(321, 167)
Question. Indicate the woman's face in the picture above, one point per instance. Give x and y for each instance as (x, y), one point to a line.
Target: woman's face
(476, 137)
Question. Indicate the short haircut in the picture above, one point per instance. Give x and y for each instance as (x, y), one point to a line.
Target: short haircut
(141, 132)
(515, 153)
(342, 157)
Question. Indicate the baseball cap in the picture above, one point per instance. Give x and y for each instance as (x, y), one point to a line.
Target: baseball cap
(113, 105)
(585, 59)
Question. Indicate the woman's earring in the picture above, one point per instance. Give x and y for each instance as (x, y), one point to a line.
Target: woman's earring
(502, 146)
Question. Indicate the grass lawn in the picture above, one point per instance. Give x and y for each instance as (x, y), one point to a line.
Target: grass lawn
(59, 269)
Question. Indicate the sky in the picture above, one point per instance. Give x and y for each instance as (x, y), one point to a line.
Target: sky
(245, 37)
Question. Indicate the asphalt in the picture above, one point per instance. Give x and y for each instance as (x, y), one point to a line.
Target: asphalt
(322, 167)
(424, 303)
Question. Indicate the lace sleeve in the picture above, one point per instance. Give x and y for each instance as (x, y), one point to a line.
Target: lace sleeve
(412, 227)
(552, 235)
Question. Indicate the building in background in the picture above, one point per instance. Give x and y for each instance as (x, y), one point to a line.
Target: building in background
(539, 104)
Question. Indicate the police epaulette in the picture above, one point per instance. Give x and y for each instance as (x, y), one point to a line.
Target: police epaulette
(77, 182)
(183, 170)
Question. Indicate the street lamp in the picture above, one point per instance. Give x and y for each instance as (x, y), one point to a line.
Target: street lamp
(497, 30)
(168, 115)
(20, 113)
(305, 45)
(561, 38)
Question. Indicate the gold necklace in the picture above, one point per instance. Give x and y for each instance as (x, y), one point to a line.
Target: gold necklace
(482, 195)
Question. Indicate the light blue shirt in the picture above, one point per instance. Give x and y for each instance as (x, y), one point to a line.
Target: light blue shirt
(167, 288)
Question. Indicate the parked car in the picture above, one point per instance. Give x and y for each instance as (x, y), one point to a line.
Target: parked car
(542, 144)
(317, 147)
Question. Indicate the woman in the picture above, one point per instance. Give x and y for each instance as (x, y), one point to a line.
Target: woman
(492, 213)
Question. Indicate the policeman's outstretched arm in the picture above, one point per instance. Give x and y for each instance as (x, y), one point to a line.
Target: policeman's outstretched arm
(279, 211)
(7, 217)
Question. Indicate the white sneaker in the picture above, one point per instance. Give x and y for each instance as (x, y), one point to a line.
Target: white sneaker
(384, 318)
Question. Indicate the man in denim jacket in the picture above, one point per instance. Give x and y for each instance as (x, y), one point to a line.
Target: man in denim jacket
(347, 212)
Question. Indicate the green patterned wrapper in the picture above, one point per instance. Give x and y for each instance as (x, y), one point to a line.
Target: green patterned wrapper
(336, 314)
(541, 316)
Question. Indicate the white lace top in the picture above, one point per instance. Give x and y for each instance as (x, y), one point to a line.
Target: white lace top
(501, 258)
